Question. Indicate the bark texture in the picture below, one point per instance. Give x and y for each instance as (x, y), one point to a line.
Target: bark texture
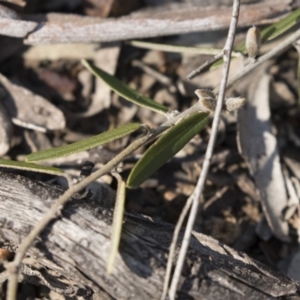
(70, 255)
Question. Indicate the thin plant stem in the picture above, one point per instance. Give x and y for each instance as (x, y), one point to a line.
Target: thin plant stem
(165, 80)
(281, 47)
(204, 66)
(178, 226)
(209, 152)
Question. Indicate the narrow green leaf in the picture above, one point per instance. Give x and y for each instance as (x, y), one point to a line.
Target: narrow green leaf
(166, 147)
(124, 90)
(83, 145)
(116, 226)
(179, 49)
(19, 165)
(175, 48)
(273, 31)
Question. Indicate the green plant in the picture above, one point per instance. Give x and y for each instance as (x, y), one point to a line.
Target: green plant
(179, 130)
(175, 134)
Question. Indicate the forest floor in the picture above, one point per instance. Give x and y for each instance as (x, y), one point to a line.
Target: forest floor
(81, 106)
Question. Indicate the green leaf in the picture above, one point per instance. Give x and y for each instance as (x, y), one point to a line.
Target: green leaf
(83, 145)
(124, 90)
(166, 147)
(116, 226)
(175, 48)
(19, 165)
(273, 31)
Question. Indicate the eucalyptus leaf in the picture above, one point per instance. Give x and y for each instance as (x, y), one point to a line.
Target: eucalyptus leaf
(124, 90)
(84, 144)
(19, 165)
(116, 226)
(166, 147)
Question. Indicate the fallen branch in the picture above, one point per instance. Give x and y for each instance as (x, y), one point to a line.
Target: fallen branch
(65, 28)
(76, 248)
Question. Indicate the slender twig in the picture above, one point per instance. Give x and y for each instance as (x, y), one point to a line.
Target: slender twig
(281, 47)
(178, 226)
(200, 184)
(204, 66)
(165, 80)
(182, 49)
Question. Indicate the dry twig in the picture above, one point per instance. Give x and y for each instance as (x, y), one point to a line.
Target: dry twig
(209, 152)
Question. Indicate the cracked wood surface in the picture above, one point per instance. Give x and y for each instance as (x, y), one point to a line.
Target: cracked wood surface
(70, 256)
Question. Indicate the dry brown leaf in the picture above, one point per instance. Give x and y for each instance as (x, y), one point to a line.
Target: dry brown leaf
(105, 58)
(30, 110)
(6, 131)
(259, 148)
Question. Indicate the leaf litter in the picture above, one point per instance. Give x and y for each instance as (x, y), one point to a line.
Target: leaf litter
(241, 189)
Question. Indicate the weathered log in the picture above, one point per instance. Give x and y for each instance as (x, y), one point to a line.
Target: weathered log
(70, 255)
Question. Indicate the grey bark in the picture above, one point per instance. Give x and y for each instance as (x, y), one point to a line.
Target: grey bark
(70, 255)
(164, 20)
